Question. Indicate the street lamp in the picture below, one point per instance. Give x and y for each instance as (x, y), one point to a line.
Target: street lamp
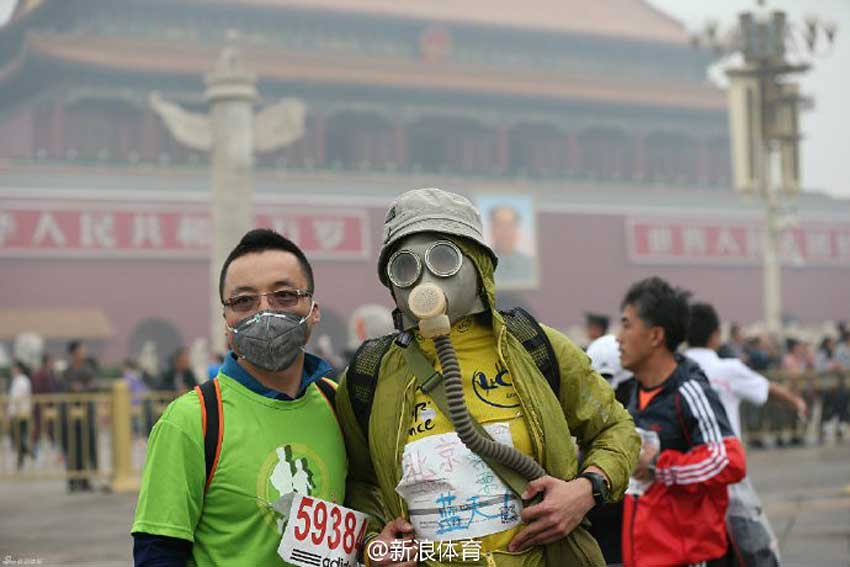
(763, 118)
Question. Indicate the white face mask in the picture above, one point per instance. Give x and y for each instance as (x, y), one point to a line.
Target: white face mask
(271, 340)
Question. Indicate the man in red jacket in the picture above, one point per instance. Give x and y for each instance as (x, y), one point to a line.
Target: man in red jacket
(676, 512)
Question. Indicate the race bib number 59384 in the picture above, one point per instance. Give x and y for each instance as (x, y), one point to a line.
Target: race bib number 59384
(321, 534)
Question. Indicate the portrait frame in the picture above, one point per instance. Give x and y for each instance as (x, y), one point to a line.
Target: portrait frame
(518, 270)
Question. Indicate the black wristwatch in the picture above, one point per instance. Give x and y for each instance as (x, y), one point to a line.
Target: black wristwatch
(598, 485)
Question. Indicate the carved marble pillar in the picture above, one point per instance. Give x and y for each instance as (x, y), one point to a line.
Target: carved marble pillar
(232, 135)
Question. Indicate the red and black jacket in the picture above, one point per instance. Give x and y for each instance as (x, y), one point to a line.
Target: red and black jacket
(681, 518)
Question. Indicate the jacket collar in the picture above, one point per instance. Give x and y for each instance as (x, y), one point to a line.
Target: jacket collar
(315, 369)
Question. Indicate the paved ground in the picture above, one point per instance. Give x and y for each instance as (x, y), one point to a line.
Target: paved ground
(806, 493)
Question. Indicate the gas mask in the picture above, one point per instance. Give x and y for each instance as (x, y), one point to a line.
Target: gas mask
(271, 340)
(429, 272)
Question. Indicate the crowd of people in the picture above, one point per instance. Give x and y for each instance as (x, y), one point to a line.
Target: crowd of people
(73, 431)
(456, 426)
(792, 359)
(450, 422)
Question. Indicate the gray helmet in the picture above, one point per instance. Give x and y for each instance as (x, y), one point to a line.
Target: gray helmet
(429, 210)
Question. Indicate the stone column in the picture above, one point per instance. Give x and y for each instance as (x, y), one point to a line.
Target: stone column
(231, 94)
(228, 132)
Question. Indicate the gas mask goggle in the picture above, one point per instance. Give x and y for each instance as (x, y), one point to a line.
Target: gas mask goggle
(430, 276)
(442, 258)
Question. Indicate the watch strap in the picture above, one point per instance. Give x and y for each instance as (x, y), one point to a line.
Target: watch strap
(598, 486)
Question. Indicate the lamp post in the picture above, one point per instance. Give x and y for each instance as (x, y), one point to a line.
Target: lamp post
(763, 117)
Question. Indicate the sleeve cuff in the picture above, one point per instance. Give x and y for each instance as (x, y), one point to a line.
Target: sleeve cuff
(364, 550)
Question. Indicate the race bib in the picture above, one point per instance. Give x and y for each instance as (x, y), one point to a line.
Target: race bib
(452, 493)
(321, 533)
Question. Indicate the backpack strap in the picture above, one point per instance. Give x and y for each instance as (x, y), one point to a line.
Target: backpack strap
(212, 424)
(528, 331)
(362, 378)
(328, 389)
(362, 373)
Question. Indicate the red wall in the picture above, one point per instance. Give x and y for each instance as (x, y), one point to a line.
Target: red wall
(584, 267)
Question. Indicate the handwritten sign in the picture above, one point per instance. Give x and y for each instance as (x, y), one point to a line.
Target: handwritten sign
(451, 493)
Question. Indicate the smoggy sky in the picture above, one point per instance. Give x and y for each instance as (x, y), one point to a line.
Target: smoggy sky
(825, 148)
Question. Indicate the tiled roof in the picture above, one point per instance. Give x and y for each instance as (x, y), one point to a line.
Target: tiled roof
(122, 54)
(633, 19)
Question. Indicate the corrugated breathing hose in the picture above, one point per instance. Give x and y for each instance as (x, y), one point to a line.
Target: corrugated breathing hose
(460, 418)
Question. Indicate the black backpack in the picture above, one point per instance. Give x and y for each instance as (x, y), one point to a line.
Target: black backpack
(362, 373)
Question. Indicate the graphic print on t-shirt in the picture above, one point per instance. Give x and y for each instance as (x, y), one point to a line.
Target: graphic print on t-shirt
(291, 468)
(495, 388)
(291, 475)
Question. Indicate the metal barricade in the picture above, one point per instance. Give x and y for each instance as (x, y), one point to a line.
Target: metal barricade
(81, 437)
(827, 395)
(103, 435)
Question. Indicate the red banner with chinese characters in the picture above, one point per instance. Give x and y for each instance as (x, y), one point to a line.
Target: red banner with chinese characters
(64, 229)
(658, 240)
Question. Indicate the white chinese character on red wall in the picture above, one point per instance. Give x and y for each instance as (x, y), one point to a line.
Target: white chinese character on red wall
(694, 241)
(842, 245)
(193, 232)
(329, 233)
(660, 240)
(818, 244)
(288, 227)
(146, 230)
(97, 230)
(7, 227)
(47, 230)
(726, 243)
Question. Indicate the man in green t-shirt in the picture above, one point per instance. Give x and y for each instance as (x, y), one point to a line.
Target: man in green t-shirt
(280, 434)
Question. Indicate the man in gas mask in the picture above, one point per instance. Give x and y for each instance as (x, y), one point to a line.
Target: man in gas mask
(459, 428)
(221, 457)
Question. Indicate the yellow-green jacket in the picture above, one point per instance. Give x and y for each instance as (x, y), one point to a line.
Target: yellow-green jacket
(585, 409)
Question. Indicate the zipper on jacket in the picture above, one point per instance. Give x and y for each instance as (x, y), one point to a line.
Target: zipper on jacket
(401, 430)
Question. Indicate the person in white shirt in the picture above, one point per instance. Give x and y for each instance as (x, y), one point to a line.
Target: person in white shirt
(735, 382)
(20, 410)
(604, 353)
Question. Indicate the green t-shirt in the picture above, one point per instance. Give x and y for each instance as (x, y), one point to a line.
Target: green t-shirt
(270, 448)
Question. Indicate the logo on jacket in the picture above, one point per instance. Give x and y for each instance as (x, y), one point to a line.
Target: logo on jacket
(497, 391)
